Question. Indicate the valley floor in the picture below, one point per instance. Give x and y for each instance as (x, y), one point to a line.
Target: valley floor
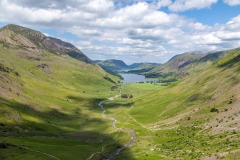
(171, 138)
(125, 135)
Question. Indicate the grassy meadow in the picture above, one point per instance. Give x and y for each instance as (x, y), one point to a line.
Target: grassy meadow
(50, 107)
(49, 110)
(195, 118)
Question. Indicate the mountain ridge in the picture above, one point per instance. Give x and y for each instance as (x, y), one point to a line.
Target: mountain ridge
(37, 42)
(112, 64)
(116, 65)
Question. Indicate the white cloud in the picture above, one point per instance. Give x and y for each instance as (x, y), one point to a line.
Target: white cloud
(228, 36)
(183, 5)
(136, 32)
(164, 3)
(232, 2)
(234, 23)
(85, 11)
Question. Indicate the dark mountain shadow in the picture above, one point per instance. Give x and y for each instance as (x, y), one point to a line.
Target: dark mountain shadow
(49, 127)
(113, 104)
(108, 104)
(94, 101)
(211, 57)
(230, 63)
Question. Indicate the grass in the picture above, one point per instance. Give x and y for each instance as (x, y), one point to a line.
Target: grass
(176, 122)
(145, 86)
(53, 111)
(56, 112)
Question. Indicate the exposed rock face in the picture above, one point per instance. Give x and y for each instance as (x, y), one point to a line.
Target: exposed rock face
(37, 42)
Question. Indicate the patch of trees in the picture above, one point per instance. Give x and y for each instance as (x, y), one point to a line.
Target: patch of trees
(109, 79)
(165, 84)
(113, 88)
(164, 77)
(214, 110)
(141, 82)
(126, 96)
(157, 75)
(169, 80)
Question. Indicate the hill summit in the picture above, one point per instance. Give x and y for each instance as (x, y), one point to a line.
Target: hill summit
(112, 64)
(37, 42)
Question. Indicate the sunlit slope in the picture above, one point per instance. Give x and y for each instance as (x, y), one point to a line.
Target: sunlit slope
(214, 86)
(48, 103)
(196, 118)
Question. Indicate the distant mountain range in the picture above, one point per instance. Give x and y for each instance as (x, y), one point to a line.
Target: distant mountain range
(117, 65)
(112, 64)
(177, 67)
(179, 61)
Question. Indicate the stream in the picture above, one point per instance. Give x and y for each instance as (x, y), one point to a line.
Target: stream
(114, 120)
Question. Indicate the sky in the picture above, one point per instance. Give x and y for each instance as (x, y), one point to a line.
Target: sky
(131, 30)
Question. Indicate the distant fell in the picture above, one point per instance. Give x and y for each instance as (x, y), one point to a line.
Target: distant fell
(143, 68)
(112, 64)
(180, 60)
(141, 65)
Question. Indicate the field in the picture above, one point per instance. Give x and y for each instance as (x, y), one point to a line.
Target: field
(49, 110)
(52, 111)
(196, 118)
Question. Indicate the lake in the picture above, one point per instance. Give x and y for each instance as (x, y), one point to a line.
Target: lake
(133, 78)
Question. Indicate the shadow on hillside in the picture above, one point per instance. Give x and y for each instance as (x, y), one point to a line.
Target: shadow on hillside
(108, 104)
(230, 62)
(92, 101)
(49, 126)
(113, 104)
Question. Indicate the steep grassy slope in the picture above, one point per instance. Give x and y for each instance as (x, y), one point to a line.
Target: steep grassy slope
(172, 70)
(141, 65)
(187, 107)
(178, 61)
(143, 68)
(204, 62)
(197, 118)
(48, 105)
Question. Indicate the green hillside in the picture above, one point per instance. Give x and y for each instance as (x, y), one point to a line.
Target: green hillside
(49, 106)
(48, 102)
(195, 118)
(178, 61)
(172, 70)
(204, 62)
(143, 68)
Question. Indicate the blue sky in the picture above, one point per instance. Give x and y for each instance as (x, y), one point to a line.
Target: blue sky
(133, 30)
(217, 13)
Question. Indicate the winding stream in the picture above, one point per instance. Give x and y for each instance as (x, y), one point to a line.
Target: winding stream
(114, 120)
